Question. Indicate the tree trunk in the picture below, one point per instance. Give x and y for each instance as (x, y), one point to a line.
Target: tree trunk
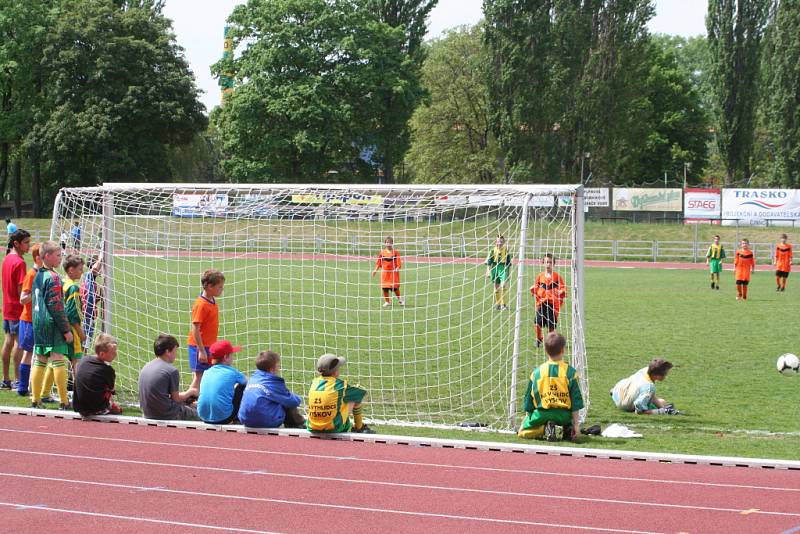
(36, 188)
(18, 189)
(3, 170)
(388, 170)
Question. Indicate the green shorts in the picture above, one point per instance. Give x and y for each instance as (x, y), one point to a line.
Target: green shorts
(537, 418)
(499, 274)
(45, 350)
(354, 394)
(715, 266)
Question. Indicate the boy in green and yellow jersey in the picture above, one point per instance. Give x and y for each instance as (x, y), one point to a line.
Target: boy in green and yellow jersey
(714, 257)
(73, 266)
(331, 399)
(553, 397)
(498, 269)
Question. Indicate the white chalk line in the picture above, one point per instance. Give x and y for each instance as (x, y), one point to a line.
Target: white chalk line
(415, 464)
(317, 478)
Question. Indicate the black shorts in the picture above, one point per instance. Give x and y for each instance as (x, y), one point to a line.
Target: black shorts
(782, 274)
(743, 282)
(546, 316)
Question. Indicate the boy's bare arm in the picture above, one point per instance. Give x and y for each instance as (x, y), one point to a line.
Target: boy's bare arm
(183, 396)
(25, 297)
(79, 329)
(576, 424)
(202, 357)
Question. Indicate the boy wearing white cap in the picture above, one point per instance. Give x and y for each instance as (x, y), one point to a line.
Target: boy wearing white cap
(331, 399)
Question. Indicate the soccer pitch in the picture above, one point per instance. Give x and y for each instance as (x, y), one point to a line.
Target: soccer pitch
(451, 349)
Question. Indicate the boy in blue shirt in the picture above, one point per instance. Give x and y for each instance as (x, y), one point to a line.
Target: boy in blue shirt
(267, 402)
(222, 386)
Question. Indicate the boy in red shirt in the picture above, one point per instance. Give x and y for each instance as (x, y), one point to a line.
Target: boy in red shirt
(549, 292)
(744, 263)
(13, 272)
(205, 324)
(783, 262)
(389, 263)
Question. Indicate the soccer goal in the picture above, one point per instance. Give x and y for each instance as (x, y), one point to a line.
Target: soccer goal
(298, 261)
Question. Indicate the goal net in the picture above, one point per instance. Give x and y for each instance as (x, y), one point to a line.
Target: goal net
(298, 263)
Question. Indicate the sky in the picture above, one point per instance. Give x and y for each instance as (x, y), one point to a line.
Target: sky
(198, 26)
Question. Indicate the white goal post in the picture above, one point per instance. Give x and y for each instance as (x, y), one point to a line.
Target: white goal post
(297, 261)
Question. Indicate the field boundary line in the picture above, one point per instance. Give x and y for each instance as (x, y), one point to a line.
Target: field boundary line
(524, 448)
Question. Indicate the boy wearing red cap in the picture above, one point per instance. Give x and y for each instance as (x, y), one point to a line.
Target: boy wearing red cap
(222, 386)
(331, 399)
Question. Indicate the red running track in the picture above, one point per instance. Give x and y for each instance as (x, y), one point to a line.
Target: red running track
(76, 475)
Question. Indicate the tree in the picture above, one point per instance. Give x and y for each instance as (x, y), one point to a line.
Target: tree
(395, 104)
(310, 90)
(783, 82)
(117, 93)
(735, 34)
(451, 135)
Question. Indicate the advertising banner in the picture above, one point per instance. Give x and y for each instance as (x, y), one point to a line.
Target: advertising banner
(758, 205)
(639, 199)
(198, 205)
(701, 205)
(338, 198)
(595, 197)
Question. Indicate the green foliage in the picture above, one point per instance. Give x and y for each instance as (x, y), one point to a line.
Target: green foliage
(735, 33)
(783, 83)
(319, 85)
(452, 141)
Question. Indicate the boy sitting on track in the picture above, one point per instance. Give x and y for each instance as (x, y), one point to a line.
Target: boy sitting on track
(159, 380)
(637, 393)
(95, 380)
(331, 399)
(553, 397)
(267, 402)
(222, 386)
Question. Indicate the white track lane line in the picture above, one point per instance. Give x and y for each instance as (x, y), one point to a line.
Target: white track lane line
(420, 464)
(130, 518)
(318, 478)
(298, 503)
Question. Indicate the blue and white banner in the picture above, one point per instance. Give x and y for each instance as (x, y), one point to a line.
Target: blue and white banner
(199, 205)
(758, 205)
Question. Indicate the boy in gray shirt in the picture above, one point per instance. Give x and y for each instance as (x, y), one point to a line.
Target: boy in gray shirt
(159, 381)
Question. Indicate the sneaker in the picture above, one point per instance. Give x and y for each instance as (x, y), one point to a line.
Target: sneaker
(777, 289)
(386, 304)
(537, 343)
(712, 285)
(497, 307)
(6, 384)
(48, 400)
(36, 405)
(65, 407)
(15, 385)
(401, 302)
(550, 431)
(783, 289)
(504, 307)
(23, 393)
(365, 429)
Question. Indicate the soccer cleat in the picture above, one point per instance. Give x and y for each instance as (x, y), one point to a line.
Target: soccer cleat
(503, 307)
(777, 288)
(36, 405)
(386, 304)
(48, 400)
(538, 343)
(6, 384)
(550, 433)
(401, 302)
(365, 429)
(65, 407)
(497, 307)
(712, 285)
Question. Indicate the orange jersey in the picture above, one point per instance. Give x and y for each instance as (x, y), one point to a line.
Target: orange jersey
(744, 262)
(549, 288)
(783, 257)
(389, 263)
(27, 285)
(206, 314)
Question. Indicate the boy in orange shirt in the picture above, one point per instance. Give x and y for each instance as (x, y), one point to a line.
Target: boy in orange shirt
(26, 323)
(549, 292)
(205, 324)
(389, 263)
(744, 263)
(783, 262)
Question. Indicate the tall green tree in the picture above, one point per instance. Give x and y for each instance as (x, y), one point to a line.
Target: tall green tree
(735, 34)
(117, 93)
(311, 88)
(451, 140)
(783, 83)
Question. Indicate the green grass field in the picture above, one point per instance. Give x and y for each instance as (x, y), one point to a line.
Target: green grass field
(455, 354)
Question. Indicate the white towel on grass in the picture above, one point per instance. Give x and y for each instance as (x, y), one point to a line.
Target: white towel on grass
(617, 430)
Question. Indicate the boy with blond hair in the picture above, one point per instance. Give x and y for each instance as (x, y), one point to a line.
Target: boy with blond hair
(73, 266)
(498, 267)
(267, 402)
(52, 333)
(205, 324)
(26, 323)
(331, 399)
(95, 380)
(553, 398)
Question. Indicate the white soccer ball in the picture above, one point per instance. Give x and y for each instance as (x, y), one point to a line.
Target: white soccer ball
(788, 364)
